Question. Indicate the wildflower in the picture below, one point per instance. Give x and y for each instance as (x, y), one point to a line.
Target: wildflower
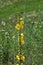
(22, 34)
(18, 57)
(17, 26)
(22, 38)
(21, 18)
(22, 42)
(17, 64)
(23, 58)
(22, 22)
(21, 26)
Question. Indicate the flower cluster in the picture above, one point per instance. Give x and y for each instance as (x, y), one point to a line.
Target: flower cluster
(19, 26)
(20, 58)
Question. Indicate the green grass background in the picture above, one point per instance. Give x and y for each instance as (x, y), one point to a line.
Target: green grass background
(32, 13)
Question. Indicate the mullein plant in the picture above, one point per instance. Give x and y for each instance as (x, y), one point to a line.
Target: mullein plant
(19, 26)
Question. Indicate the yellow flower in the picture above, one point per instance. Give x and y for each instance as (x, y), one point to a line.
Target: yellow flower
(22, 24)
(18, 57)
(22, 34)
(17, 26)
(17, 64)
(23, 58)
(22, 42)
(21, 18)
(22, 38)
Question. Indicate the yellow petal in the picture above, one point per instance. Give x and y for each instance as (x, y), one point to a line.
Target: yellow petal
(22, 34)
(23, 58)
(21, 22)
(22, 42)
(21, 18)
(18, 57)
(17, 26)
(22, 26)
